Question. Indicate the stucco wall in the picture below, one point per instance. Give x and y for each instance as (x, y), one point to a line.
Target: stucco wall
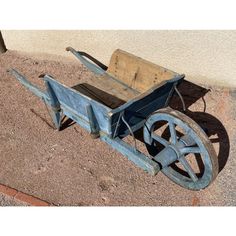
(207, 57)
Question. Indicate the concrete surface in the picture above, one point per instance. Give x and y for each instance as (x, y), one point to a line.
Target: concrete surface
(70, 168)
(207, 57)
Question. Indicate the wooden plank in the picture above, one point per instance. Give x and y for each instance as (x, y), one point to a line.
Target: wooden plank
(106, 90)
(136, 72)
(99, 95)
(112, 86)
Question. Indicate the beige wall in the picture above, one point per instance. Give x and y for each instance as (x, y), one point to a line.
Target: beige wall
(207, 57)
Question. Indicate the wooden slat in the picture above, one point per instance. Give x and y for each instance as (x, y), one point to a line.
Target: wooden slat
(106, 90)
(137, 72)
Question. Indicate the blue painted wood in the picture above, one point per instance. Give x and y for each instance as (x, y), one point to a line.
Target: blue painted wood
(193, 136)
(71, 101)
(91, 66)
(31, 87)
(55, 106)
(133, 155)
(93, 123)
(138, 109)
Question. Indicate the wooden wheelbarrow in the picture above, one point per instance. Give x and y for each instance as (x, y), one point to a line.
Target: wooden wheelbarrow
(130, 95)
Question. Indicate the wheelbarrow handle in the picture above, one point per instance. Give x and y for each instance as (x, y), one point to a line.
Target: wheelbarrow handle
(31, 87)
(99, 69)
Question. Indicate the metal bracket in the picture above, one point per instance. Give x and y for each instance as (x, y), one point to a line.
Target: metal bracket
(180, 96)
(117, 124)
(131, 132)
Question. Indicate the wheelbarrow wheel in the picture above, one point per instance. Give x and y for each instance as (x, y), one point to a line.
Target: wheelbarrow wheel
(183, 150)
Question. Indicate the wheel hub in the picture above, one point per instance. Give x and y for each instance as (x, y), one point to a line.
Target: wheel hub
(172, 152)
(175, 148)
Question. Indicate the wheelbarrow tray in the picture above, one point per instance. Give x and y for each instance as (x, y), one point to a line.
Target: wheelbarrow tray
(131, 86)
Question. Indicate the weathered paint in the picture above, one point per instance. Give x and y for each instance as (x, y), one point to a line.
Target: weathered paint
(77, 103)
(31, 87)
(138, 109)
(194, 141)
(92, 67)
(133, 155)
(112, 124)
(93, 123)
(55, 106)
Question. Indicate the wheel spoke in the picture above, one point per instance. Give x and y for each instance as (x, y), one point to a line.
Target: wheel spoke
(188, 168)
(160, 140)
(173, 133)
(186, 150)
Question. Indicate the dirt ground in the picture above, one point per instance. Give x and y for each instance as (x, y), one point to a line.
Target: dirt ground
(70, 168)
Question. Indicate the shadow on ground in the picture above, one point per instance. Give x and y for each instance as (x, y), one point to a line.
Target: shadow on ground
(211, 125)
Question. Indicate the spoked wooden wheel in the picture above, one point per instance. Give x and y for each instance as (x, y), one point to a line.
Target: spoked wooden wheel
(187, 156)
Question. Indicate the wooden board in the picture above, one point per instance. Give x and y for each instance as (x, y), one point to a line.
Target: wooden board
(99, 95)
(106, 90)
(136, 72)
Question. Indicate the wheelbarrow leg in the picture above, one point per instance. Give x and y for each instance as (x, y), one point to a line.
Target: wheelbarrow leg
(94, 127)
(55, 108)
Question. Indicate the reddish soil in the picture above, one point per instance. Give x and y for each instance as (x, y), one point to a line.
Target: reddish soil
(70, 168)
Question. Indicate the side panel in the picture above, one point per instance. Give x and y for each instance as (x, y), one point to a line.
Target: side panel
(136, 112)
(74, 105)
